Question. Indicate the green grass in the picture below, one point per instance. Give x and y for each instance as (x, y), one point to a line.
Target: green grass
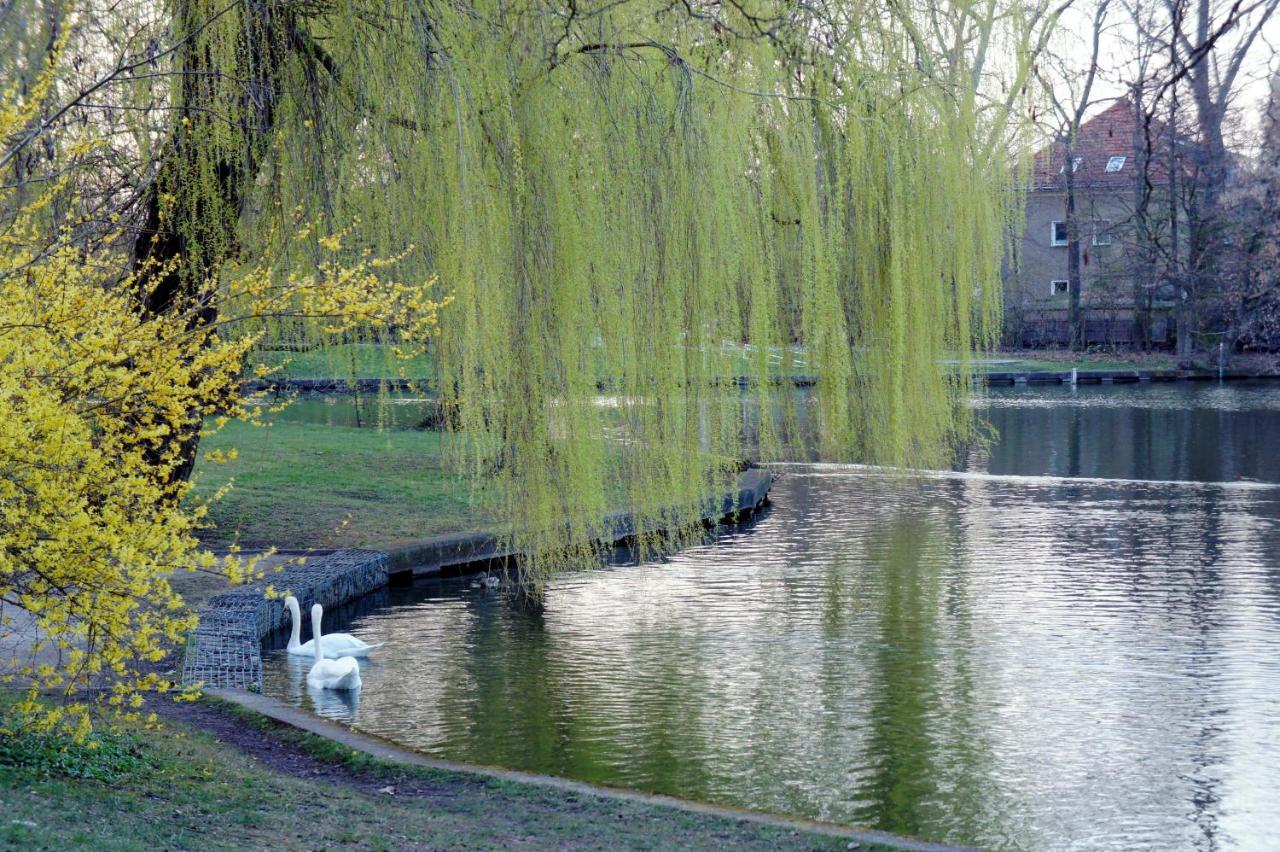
(194, 792)
(105, 756)
(299, 485)
(310, 485)
(1061, 361)
(351, 360)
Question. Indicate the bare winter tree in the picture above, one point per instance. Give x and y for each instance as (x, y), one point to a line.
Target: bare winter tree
(1208, 45)
(1147, 239)
(1251, 300)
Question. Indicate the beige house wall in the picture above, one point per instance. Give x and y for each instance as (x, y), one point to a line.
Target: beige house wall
(1105, 278)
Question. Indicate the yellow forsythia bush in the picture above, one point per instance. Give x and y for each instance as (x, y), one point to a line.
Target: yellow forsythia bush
(92, 395)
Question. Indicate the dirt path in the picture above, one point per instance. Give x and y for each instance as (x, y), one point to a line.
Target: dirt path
(271, 745)
(475, 810)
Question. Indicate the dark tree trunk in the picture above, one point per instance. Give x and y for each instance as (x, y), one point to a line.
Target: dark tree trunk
(1075, 312)
(189, 224)
(1176, 275)
(1143, 257)
(1204, 219)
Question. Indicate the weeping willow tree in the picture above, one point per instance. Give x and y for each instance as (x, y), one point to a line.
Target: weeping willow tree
(650, 217)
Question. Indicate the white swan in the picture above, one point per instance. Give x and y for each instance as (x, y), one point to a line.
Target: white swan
(334, 645)
(343, 673)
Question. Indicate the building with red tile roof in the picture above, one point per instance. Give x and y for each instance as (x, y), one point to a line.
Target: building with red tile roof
(1107, 163)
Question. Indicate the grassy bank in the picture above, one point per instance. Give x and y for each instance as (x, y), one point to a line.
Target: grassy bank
(214, 778)
(322, 484)
(352, 360)
(1052, 360)
(299, 485)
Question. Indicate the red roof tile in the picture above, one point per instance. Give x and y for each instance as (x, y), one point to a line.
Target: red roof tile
(1109, 134)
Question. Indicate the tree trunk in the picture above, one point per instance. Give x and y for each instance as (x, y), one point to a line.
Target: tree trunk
(1075, 314)
(190, 222)
(1204, 218)
(1182, 297)
(1142, 254)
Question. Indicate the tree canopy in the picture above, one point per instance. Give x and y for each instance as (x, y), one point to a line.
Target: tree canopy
(647, 218)
(638, 207)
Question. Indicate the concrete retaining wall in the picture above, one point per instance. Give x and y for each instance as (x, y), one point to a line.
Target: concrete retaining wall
(993, 378)
(448, 554)
(1106, 377)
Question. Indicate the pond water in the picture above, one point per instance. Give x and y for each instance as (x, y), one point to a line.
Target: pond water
(1073, 642)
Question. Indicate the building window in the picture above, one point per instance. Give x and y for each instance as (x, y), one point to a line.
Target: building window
(1058, 233)
(1059, 287)
(1115, 164)
(1102, 232)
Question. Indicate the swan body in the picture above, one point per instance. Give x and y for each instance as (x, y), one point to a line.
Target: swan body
(342, 673)
(333, 646)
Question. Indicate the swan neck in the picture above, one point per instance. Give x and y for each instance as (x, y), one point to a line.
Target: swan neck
(315, 632)
(295, 632)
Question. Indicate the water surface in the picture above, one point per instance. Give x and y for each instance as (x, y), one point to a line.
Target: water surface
(1074, 642)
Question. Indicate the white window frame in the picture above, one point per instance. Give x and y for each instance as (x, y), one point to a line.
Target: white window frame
(1116, 163)
(1053, 287)
(1102, 232)
(1075, 166)
(1053, 233)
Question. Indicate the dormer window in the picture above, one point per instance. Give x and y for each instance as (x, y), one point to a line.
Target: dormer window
(1115, 164)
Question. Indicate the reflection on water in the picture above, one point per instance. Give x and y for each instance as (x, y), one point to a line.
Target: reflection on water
(290, 679)
(1007, 656)
(1177, 431)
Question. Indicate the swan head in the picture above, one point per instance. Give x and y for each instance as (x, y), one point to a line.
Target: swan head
(315, 631)
(291, 603)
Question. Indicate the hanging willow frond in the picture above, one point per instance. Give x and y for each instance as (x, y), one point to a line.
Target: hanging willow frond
(638, 207)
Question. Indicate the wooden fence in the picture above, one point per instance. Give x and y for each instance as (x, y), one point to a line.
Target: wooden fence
(1050, 328)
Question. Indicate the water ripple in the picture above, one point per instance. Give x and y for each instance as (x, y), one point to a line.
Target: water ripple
(1012, 657)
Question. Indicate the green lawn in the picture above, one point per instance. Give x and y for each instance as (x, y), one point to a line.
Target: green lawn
(351, 360)
(183, 788)
(299, 485)
(1061, 361)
